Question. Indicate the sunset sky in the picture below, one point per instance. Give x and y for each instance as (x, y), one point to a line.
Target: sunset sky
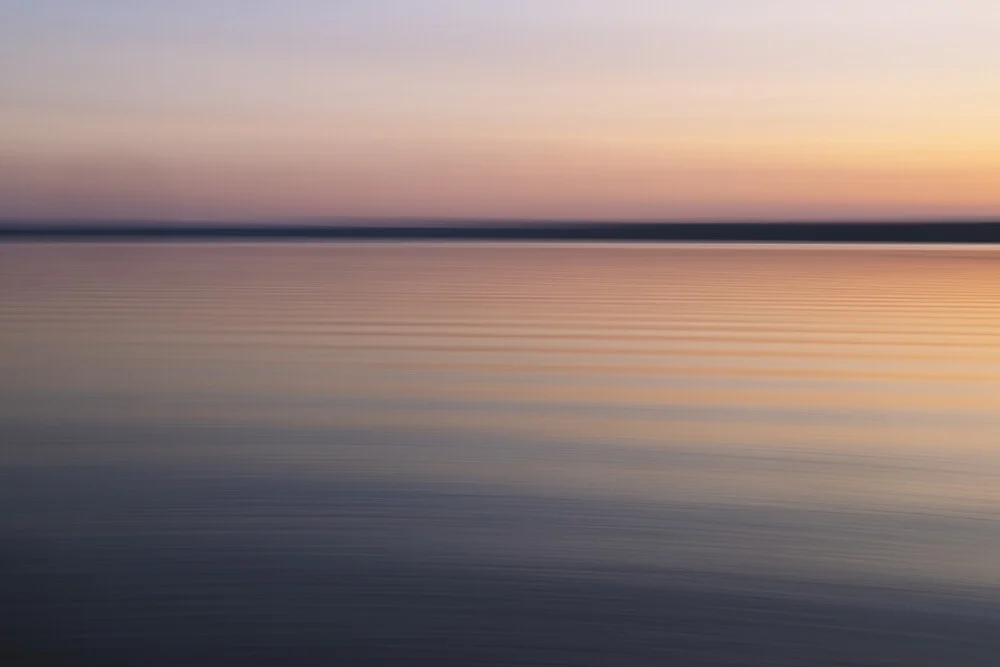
(610, 109)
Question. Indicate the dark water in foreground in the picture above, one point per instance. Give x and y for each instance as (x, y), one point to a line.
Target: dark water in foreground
(364, 454)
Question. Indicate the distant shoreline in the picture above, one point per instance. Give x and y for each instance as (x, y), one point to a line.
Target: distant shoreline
(747, 232)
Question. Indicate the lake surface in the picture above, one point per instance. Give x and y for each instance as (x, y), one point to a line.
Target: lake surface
(416, 454)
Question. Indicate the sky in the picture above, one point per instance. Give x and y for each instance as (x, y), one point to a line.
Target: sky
(545, 109)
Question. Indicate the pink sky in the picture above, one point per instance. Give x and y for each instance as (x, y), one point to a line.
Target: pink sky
(639, 109)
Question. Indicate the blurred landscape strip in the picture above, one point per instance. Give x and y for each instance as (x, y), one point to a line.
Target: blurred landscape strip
(941, 231)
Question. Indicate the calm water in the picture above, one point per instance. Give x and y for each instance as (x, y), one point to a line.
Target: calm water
(376, 454)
